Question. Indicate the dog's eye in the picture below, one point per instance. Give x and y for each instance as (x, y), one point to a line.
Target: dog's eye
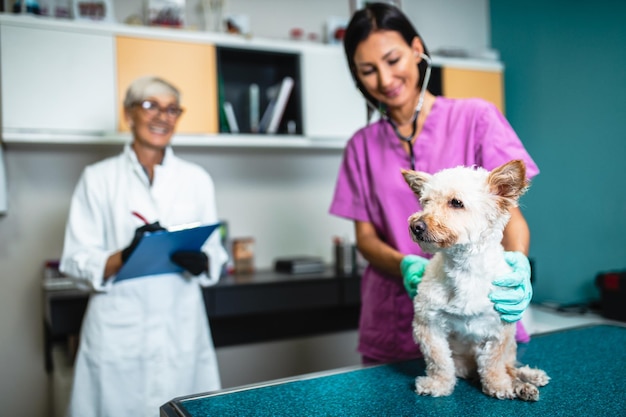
(455, 203)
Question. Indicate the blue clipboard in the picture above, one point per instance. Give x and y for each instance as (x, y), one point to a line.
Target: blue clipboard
(152, 254)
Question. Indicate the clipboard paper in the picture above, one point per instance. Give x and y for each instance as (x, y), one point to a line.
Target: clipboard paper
(152, 255)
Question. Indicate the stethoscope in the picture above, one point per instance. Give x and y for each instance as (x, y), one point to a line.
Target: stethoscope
(418, 108)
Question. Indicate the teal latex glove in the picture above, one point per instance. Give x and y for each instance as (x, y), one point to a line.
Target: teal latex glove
(516, 292)
(412, 267)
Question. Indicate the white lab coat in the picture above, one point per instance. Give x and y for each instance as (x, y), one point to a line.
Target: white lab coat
(147, 340)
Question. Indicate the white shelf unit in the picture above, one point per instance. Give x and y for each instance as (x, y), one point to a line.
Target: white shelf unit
(224, 140)
(58, 86)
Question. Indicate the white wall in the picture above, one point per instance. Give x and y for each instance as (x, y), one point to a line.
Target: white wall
(280, 199)
(451, 24)
(442, 23)
(261, 195)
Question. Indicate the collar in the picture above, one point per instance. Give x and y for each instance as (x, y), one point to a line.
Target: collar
(168, 157)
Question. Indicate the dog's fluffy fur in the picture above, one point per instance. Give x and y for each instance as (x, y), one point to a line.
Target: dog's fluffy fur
(460, 334)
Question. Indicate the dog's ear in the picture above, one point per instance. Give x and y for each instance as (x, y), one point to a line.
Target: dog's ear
(416, 180)
(509, 181)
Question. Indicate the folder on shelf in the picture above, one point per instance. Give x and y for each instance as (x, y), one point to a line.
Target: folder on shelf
(233, 126)
(279, 96)
(152, 255)
(253, 95)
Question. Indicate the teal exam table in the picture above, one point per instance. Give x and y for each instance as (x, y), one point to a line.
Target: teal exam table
(587, 366)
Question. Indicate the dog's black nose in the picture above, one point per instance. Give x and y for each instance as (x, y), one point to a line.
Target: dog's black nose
(418, 228)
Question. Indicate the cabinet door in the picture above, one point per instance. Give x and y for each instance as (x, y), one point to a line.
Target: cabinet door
(333, 106)
(465, 83)
(189, 66)
(57, 81)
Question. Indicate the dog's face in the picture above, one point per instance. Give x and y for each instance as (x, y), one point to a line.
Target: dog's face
(463, 205)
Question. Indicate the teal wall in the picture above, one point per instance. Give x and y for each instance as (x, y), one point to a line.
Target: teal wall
(565, 84)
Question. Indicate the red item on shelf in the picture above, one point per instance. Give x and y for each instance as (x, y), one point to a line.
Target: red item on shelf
(296, 33)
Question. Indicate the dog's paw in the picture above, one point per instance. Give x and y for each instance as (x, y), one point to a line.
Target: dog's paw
(533, 376)
(526, 391)
(436, 387)
(499, 391)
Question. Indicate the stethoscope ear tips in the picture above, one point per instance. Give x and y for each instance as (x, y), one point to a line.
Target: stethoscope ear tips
(423, 56)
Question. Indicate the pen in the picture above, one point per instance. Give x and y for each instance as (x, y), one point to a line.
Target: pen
(140, 217)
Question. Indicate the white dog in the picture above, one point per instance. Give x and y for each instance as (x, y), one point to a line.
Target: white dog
(460, 334)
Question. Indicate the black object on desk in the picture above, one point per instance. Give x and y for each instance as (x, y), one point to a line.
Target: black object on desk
(587, 367)
(300, 265)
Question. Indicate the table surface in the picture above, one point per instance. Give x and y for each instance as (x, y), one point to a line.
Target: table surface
(587, 366)
(250, 308)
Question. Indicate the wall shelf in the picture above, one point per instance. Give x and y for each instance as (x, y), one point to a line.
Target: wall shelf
(213, 140)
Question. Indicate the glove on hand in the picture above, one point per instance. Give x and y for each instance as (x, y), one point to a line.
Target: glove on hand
(516, 291)
(154, 227)
(412, 267)
(194, 262)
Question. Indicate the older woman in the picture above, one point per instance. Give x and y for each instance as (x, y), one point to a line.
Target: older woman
(144, 340)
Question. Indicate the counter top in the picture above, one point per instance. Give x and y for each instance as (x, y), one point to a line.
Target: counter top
(250, 308)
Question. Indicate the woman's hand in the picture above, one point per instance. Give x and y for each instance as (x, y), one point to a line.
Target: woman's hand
(195, 262)
(139, 232)
(412, 267)
(516, 292)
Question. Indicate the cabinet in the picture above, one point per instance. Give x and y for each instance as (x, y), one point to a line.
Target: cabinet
(191, 67)
(333, 106)
(247, 308)
(56, 81)
(463, 83)
(464, 78)
(242, 69)
(65, 81)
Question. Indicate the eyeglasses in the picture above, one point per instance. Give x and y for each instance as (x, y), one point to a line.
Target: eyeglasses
(152, 109)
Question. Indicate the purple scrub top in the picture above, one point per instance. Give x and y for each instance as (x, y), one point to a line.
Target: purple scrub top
(371, 188)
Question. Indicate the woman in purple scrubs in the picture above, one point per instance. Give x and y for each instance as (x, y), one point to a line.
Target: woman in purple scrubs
(417, 130)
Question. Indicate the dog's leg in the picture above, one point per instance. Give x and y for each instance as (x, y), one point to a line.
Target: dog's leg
(440, 376)
(499, 376)
(496, 366)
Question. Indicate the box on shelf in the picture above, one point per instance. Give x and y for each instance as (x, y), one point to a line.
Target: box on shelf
(243, 255)
(93, 10)
(165, 13)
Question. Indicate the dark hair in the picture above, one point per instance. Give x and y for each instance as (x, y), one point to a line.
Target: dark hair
(373, 17)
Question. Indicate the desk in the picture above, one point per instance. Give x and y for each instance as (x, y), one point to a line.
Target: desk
(587, 366)
(241, 308)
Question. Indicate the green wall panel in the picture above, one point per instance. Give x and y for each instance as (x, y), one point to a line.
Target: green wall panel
(565, 86)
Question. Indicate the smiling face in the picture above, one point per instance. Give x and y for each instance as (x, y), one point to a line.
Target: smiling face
(387, 67)
(153, 120)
